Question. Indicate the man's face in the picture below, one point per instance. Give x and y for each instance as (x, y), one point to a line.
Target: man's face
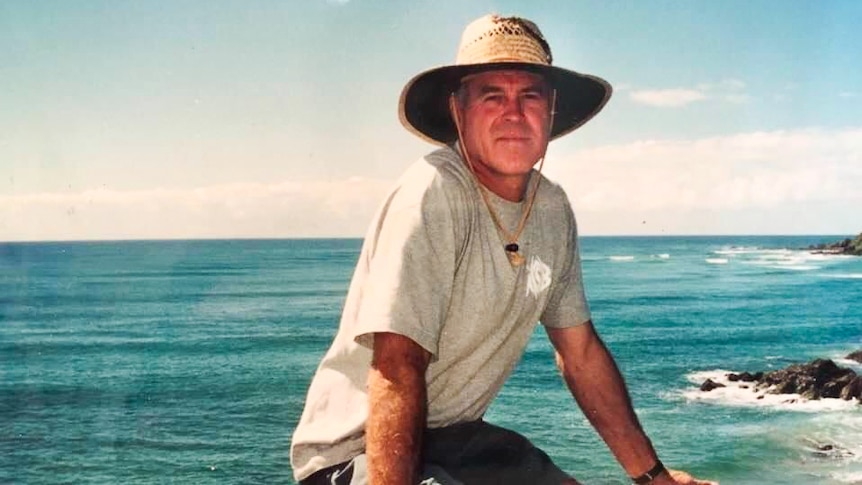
(505, 123)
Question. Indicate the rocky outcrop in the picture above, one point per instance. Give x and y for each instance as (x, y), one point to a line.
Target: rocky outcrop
(820, 378)
(710, 384)
(745, 377)
(814, 380)
(852, 389)
(857, 356)
(828, 450)
(847, 246)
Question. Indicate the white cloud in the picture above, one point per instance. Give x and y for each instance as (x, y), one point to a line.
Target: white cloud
(729, 90)
(667, 98)
(778, 181)
(284, 209)
(760, 171)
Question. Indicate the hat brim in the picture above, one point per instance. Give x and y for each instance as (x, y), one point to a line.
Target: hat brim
(424, 104)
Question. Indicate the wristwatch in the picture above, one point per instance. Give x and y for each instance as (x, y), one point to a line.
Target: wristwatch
(650, 475)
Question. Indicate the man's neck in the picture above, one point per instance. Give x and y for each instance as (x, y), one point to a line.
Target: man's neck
(509, 187)
(512, 188)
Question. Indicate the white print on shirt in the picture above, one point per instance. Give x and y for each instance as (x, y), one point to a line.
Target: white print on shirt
(538, 276)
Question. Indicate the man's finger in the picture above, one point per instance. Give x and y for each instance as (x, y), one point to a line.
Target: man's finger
(684, 478)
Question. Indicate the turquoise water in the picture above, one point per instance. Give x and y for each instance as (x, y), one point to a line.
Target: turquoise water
(187, 361)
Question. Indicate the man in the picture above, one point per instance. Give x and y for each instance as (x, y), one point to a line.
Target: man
(468, 253)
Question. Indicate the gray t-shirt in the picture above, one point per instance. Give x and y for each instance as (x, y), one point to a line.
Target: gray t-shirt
(433, 268)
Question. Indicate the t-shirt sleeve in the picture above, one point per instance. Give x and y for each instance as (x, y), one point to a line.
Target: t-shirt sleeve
(411, 264)
(567, 305)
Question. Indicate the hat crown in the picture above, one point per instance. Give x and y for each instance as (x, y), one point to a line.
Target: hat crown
(492, 38)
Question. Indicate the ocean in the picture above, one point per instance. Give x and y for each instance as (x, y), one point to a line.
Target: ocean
(188, 361)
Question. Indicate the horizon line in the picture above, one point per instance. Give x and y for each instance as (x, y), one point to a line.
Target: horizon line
(335, 238)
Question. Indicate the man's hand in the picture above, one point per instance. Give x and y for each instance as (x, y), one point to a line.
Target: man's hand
(679, 477)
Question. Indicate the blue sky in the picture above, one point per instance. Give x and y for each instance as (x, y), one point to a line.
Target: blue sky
(278, 118)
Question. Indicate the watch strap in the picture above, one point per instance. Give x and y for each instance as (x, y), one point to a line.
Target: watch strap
(650, 475)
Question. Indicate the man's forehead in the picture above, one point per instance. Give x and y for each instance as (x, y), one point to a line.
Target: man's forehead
(501, 78)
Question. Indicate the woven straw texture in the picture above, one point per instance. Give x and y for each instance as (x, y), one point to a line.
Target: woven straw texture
(498, 39)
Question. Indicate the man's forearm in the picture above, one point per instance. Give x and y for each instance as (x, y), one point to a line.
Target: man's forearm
(602, 395)
(598, 387)
(397, 416)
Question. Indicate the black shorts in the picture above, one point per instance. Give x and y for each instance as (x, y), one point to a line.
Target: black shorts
(474, 453)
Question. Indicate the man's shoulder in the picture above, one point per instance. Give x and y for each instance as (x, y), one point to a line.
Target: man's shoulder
(440, 171)
(444, 162)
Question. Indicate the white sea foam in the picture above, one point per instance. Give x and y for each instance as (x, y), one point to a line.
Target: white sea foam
(852, 477)
(841, 361)
(849, 276)
(661, 256)
(794, 267)
(786, 259)
(622, 258)
(737, 250)
(745, 394)
(827, 257)
(716, 260)
(843, 431)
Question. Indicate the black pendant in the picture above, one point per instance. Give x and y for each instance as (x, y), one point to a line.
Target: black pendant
(512, 248)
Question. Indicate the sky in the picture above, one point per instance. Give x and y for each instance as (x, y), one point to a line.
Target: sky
(278, 119)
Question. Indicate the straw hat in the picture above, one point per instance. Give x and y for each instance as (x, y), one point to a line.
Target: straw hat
(493, 42)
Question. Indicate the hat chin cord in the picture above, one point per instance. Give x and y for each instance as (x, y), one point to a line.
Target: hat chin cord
(511, 239)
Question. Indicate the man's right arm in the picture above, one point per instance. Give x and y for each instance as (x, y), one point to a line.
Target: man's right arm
(397, 409)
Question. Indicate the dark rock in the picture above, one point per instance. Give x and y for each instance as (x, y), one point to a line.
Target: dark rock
(829, 450)
(857, 356)
(745, 377)
(810, 393)
(834, 387)
(852, 389)
(820, 378)
(709, 385)
(846, 246)
(784, 387)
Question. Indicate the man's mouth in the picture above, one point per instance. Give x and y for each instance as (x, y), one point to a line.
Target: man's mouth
(513, 138)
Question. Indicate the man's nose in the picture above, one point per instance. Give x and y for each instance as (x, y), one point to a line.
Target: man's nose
(513, 108)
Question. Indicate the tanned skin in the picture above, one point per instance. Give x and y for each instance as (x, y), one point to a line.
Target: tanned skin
(597, 385)
(505, 119)
(398, 409)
